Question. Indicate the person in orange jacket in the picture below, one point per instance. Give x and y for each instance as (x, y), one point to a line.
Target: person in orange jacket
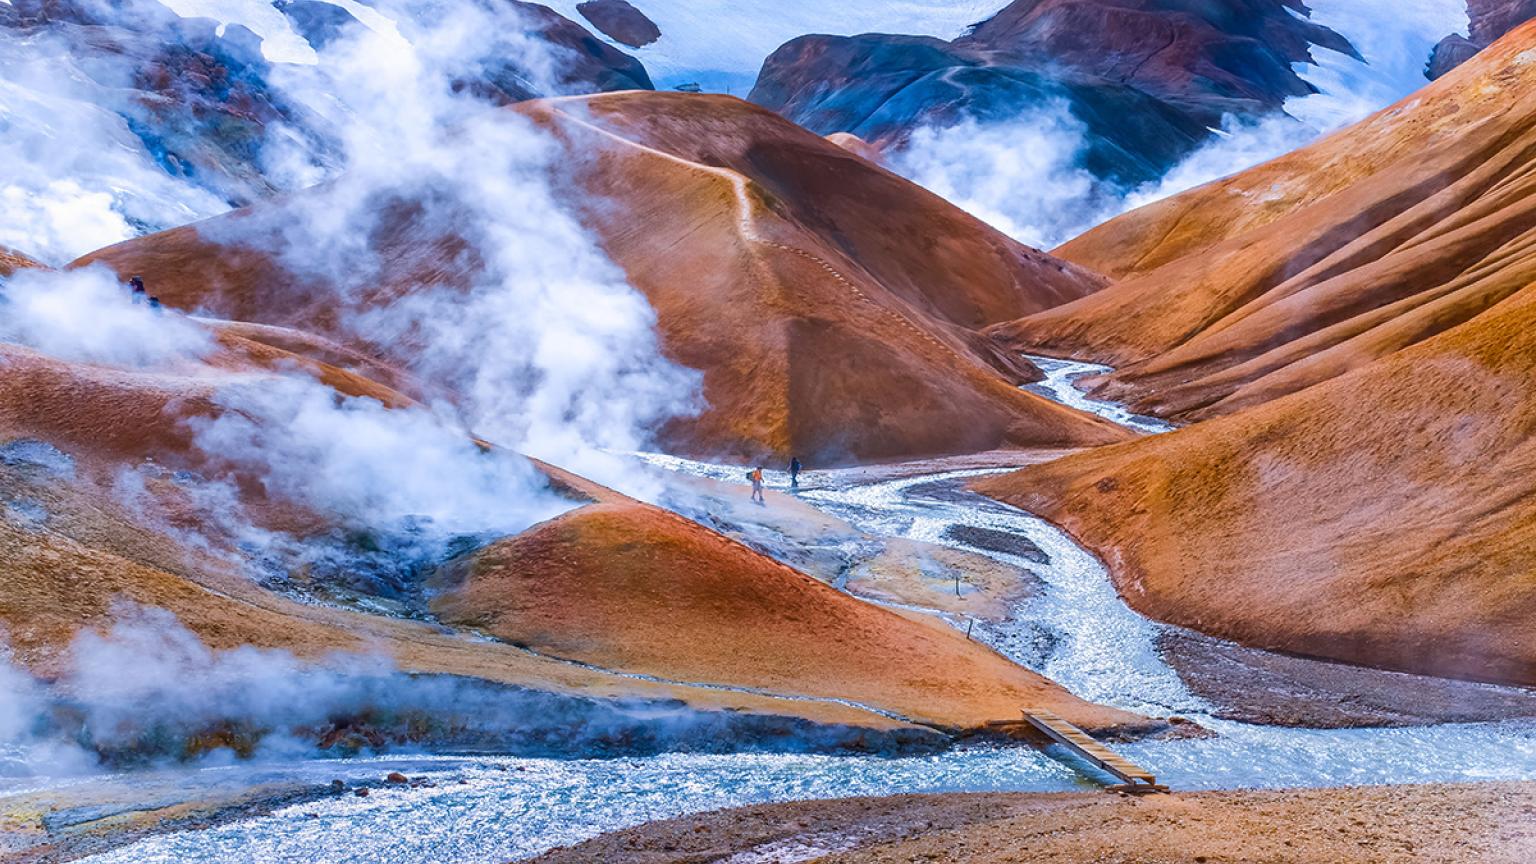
(757, 485)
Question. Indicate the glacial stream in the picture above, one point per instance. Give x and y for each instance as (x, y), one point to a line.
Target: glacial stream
(1076, 631)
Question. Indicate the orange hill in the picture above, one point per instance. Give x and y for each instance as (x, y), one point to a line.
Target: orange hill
(1386, 517)
(627, 586)
(1297, 271)
(832, 306)
(73, 545)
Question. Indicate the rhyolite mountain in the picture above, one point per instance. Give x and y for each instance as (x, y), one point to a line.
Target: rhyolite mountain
(1313, 264)
(1148, 78)
(833, 307)
(1355, 325)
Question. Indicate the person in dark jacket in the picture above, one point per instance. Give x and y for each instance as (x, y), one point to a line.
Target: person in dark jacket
(794, 472)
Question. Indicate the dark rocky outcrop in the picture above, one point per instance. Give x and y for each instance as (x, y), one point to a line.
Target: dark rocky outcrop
(621, 22)
(1452, 51)
(318, 22)
(588, 64)
(1490, 19)
(1147, 77)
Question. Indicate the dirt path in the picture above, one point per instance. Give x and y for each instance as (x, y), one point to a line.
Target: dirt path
(1485, 823)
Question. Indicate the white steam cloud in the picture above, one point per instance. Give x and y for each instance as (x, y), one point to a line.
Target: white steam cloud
(1025, 178)
(1395, 38)
(546, 349)
(1237, 146)
(147, 690)
(73, 177)
(366, 465)
(88, 316)
(534, 339)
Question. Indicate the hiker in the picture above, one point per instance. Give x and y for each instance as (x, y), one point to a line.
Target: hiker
(154, 305)
(757, 486)
(794, 472)
(137, 286)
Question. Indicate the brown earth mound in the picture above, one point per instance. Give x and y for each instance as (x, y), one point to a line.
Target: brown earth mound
(831, 305)
(103, 499)
(11, 261)
(631, 587)
(1374, 239)
(1386, 517)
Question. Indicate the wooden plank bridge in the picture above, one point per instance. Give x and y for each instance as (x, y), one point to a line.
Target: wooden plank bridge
(1133, 777)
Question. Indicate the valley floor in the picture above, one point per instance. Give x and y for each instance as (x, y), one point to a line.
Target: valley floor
(1489, 823)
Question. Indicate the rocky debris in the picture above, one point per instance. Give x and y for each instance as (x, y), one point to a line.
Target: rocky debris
(993, 540)
(1148, 78)
(1252, 686)
(32, 453)
(620, 21)
(397, 778)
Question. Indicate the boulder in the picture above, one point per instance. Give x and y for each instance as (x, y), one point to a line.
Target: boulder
(620, 21)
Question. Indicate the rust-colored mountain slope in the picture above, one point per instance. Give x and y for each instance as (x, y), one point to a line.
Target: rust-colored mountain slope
(1384, 517)
(11, 261)
(75, 542)
(627, 586)
(831, 305)
(1319, 262)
